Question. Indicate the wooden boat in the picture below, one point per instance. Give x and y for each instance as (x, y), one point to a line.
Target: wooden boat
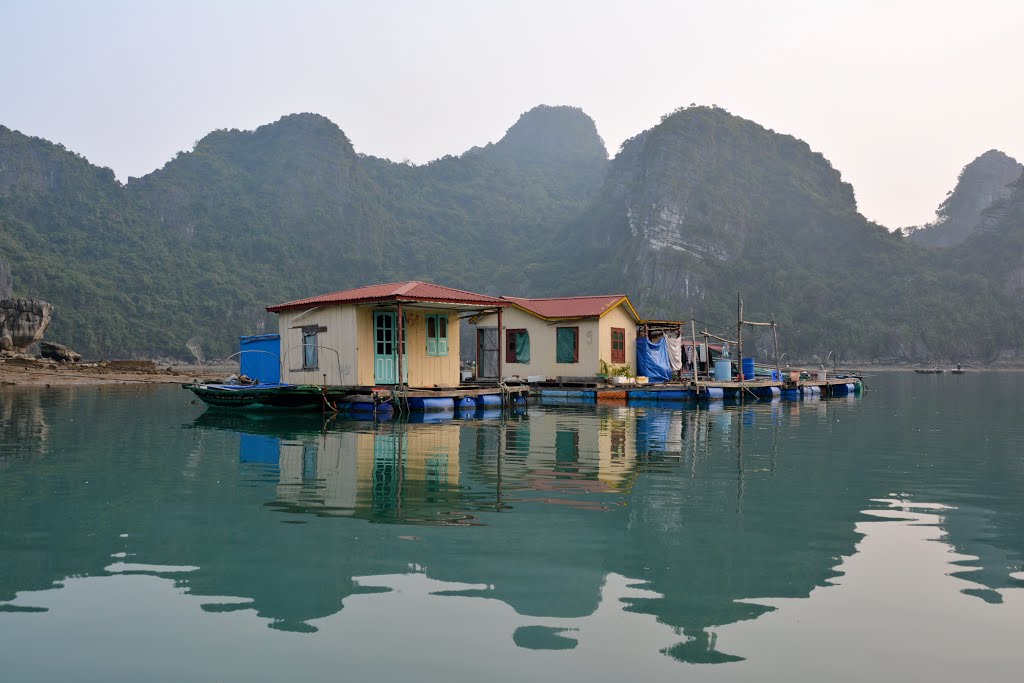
(371, 400)
(259, 396)
(929, 371)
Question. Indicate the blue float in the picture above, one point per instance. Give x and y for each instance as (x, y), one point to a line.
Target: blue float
(487, 400)
(367, 407)
(418, 404)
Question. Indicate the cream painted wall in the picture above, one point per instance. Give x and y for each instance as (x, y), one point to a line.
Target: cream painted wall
(350, 332)
(618, 317)
(595, 343)
(423, 371)
(341, 368)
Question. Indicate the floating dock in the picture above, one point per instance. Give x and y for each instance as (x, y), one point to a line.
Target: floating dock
(690, 391)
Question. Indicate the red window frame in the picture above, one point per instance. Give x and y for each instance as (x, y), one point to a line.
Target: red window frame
(618, 344)
(510, 344)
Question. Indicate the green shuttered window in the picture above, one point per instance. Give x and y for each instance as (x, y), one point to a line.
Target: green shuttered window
(437, 334)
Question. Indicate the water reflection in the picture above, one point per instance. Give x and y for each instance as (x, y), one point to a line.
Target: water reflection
(679, 522)
(23, 424)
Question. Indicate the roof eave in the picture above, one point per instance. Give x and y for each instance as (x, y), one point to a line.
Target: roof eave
(497, 303)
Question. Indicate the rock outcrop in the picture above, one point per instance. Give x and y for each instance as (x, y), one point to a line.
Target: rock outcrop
(22, 323)
(983, 185)
(55, 351)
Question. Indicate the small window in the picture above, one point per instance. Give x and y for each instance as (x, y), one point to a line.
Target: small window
(437, 334)
(618, 345)
(517, 347)
(567, 345)
(309, 347)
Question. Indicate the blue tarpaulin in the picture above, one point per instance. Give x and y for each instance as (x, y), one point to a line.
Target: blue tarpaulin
(260, 357)
(652, 360)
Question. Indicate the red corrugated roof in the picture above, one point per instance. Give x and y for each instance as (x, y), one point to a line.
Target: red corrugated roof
(395, 291)
(572, 306)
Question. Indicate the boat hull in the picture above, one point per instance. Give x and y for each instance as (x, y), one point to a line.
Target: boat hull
(271, 397)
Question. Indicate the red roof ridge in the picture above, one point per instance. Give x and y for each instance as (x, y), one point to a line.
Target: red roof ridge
(407, 286)
(413, 289)
(563, 298)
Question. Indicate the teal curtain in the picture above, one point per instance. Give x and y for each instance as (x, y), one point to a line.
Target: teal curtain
(565, 343)
(523, 347)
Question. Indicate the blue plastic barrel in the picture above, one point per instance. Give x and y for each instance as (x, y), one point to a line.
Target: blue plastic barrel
(428, 405)
(748, 368)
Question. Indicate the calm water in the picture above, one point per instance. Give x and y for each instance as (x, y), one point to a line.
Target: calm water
(860, 539)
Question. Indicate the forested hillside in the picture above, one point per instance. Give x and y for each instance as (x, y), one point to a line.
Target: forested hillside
(707, 204)
(198, 248)
(687, 214)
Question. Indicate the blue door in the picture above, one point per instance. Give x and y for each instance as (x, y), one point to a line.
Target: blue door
(385, 351)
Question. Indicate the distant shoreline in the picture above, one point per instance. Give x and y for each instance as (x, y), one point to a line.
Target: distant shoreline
(42, 373)
(48, 374)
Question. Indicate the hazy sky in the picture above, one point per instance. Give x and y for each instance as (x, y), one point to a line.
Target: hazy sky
(898, 94)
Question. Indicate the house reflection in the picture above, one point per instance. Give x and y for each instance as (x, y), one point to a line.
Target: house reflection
(439, 472)
(388, 472)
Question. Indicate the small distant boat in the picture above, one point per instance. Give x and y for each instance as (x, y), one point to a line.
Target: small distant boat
(957, 370)
(929, 371)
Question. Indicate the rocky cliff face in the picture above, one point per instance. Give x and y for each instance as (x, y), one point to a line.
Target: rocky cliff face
(22, 323)
(703, 192)
(983, 185)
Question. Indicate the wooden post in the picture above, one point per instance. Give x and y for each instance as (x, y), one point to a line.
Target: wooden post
(739, 334)
(707, 348)
(399, 337)
(775, 334)
(682, 349)
(693, 339)
(501, 342)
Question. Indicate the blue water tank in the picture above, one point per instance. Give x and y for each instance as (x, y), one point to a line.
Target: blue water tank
(748, 369)
(260, 357)
(723, 370)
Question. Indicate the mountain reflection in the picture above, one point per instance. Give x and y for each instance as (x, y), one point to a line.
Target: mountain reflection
(696, 511)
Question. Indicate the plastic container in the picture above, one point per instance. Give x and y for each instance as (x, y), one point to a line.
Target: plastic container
(429, 405)
(723, 370)
(748, 369)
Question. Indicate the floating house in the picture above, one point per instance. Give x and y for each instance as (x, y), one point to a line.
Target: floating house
(565, 336)
(353, 337)
(374, 348)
